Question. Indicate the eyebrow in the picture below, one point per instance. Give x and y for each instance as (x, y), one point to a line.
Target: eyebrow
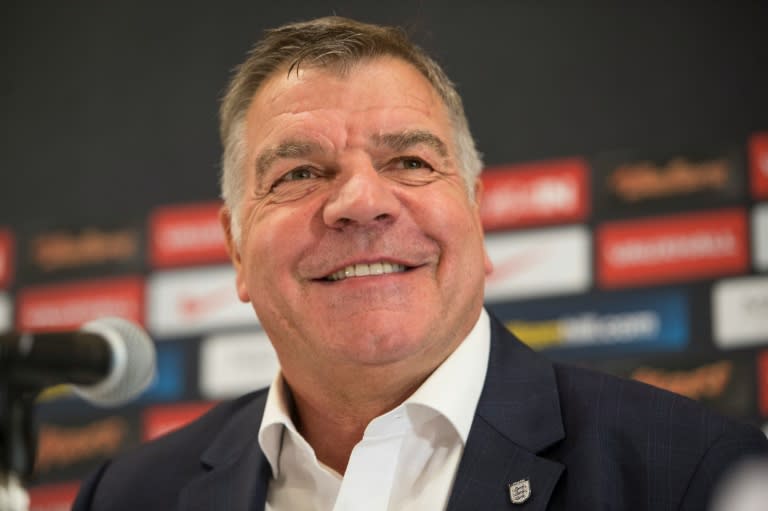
(287, 149)
(399, 141)
(407, 139)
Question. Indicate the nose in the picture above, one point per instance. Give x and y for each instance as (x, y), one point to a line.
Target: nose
(361, 198)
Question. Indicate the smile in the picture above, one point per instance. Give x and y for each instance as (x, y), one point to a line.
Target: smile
(364, 270)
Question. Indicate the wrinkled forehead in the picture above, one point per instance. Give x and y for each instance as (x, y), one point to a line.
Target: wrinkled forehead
(344, 68)
(372, 92)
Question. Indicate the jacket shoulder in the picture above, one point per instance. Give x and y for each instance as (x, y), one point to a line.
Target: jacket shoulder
(152, 474)
(620, 402)
(642, 440)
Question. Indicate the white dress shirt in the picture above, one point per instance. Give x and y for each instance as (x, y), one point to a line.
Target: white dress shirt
(407, 458)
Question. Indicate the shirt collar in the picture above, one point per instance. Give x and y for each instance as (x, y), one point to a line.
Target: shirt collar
(451, 391)
(277, 418)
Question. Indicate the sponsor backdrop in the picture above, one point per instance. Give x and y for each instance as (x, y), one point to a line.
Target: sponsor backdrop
(650, 262)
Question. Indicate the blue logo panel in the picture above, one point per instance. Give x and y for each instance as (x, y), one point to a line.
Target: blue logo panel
(168, 384)
(605, 324)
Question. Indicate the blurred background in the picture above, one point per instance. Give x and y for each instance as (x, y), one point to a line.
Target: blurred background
(626, 192)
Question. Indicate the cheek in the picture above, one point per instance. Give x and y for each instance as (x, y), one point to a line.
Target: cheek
(276, 238)
(458, 221)
(463, 236)
(258, 237)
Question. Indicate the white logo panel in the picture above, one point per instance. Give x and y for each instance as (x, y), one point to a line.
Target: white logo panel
(6, 317)
(760, 236)
(233, 364)
(740, 312)
(537, 263)
(193, 301)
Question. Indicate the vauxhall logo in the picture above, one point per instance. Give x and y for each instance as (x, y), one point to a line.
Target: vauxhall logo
(61, 250)
(645, 180)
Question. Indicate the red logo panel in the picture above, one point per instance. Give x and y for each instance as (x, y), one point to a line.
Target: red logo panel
(758, 164)
(67, 306)
(53, 497)
(762, 382)
(6, 258)
(159, 420)
(186, 235)
(666, 249)
(534, 194)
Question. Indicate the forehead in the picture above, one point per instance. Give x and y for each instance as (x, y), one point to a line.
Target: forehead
(368, 94)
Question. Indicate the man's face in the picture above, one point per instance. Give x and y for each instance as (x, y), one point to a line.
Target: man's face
(360, 245)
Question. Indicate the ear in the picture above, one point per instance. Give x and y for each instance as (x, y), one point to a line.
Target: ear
(478, 201)
(225, 217)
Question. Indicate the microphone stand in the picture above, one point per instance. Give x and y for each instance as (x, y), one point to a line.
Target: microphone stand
(18, 444)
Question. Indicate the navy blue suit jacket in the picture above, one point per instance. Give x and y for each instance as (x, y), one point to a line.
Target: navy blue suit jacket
(584, 440)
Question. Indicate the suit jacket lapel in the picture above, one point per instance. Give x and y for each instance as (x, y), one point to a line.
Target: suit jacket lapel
(237, 473)
(518, 416)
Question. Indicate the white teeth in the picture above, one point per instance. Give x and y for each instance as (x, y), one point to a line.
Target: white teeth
(361, 270)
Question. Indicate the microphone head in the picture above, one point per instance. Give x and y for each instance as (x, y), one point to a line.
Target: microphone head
(133, 362)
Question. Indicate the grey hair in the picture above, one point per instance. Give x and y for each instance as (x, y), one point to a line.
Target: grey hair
(336, 43)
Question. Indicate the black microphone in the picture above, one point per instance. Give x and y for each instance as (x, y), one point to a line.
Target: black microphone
(109, 361)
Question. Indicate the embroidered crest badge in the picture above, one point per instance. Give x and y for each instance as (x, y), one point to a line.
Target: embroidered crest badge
(520, 491)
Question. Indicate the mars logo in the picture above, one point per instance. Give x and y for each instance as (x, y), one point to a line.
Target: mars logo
(758, 156)
(534, 193)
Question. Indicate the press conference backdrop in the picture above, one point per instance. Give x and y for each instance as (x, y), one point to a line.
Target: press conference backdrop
(626, 194)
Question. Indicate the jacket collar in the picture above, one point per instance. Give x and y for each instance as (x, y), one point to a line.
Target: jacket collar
(237, 473)
(518, 417)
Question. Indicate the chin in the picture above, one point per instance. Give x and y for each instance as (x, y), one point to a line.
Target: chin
(372, 346)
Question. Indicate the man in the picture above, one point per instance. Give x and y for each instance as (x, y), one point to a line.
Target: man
(351, 192)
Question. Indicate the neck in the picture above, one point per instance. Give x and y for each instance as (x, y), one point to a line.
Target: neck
(334, 401)
(332, 417)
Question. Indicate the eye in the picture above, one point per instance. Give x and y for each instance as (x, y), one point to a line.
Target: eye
(297, 174)
(412, 163)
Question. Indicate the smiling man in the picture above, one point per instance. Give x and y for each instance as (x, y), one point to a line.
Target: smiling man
(355, 209)
(350, 183)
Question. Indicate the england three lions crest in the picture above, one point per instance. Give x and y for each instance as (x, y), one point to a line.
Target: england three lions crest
(520, 491)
